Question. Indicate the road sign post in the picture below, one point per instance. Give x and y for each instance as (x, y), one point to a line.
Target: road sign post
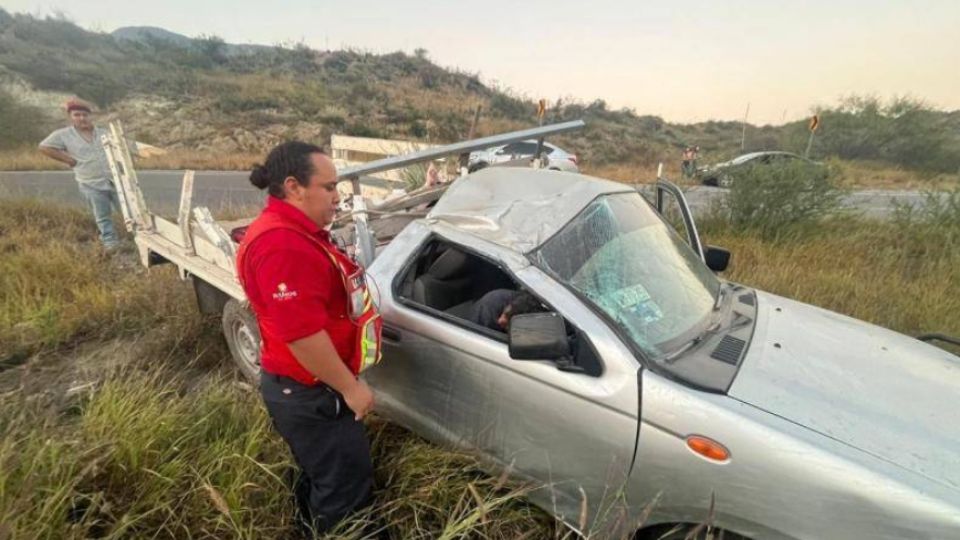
(814, 124)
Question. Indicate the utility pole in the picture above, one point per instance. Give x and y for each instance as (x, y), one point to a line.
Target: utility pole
(465, 157)
(743, 136)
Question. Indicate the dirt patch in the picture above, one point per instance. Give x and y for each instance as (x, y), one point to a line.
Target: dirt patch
(57, 379)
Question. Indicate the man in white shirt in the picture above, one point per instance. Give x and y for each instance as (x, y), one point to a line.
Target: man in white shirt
(79, 146)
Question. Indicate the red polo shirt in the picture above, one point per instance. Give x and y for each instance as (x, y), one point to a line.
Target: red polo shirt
(295, 291)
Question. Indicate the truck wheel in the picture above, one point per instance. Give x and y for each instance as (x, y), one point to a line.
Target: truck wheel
(685, 531)
(243, 338)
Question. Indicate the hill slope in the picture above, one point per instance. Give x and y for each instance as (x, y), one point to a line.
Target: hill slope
(207, 95)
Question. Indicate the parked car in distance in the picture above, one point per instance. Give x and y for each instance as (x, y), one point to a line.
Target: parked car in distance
(722, 174)
(520, 153)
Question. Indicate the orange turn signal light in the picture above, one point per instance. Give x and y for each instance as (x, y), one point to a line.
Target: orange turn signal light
(708, 448)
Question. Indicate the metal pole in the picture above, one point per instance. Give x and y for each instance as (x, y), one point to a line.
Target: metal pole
(397, 162)
(465, 157)
(537, 162)
(743, 136)
(809, 145)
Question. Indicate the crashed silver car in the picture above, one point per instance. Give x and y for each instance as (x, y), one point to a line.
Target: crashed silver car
(645, 395)
(648, 389)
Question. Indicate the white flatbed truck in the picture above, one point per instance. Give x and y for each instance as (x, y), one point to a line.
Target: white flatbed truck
(203, 249)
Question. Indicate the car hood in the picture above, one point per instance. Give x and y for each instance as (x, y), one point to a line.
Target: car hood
(884, 393)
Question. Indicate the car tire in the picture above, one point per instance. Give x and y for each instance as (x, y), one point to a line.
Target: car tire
(243, 339)
(477, 166)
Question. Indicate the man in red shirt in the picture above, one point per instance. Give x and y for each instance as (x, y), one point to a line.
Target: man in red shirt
(295, 280)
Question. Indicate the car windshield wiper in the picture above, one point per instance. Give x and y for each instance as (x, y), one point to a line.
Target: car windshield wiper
(721, 294)
(673, 356)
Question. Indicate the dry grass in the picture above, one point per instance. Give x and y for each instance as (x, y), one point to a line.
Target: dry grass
(870, 175)
(179, 159)
(631, 173)
(154, 439)
(896, 276)
(29, 159)
(165, 444)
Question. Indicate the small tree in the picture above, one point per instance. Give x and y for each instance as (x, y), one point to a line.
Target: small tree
(776, 199)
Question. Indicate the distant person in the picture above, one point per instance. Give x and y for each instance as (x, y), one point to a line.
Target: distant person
(79, 147)
(494, 309)
(432, 176)
(688, 163)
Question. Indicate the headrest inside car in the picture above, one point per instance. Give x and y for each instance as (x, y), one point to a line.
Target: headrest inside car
(450, 264)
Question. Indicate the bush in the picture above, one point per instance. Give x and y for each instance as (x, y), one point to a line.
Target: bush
(935, 221)
(414, 176)
(777, 199)
(20, 125)
(904, 131)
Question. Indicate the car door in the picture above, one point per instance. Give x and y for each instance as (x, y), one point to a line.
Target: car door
(672, 205)
(571, 435)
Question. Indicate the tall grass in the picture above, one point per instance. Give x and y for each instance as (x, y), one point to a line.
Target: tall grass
(57, 287)
(116, 422)
(902, 275)
(120, 424)
(152, 453)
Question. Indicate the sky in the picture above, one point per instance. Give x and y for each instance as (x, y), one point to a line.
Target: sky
(687, 62)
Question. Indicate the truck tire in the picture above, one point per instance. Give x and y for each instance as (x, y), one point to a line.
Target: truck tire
(243, 338)
(684, 531)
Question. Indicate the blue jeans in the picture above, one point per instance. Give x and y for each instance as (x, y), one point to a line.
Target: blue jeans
(103, 202)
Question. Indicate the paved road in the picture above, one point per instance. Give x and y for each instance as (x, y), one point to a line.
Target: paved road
(871, 202)
(218, 190)
(222, 190)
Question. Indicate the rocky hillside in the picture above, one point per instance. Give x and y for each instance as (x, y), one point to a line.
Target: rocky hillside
(204, 94)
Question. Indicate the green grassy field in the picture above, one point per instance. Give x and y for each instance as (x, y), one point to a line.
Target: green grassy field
(121, 417)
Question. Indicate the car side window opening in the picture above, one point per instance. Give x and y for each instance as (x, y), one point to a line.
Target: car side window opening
(465, 287)
(512, 148)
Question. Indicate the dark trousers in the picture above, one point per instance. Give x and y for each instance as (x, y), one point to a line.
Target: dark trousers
(329, 445)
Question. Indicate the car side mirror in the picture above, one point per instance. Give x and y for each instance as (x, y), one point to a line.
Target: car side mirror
(717, 258)
(538, 336)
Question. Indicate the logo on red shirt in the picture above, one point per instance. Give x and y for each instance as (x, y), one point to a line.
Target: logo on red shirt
(282, 292)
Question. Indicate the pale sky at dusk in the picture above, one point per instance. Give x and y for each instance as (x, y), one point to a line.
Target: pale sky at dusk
(685, 62)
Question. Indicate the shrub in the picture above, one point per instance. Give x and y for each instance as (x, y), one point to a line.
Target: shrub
(777, 199)
(20, 125)
(903, 131)
(414, 176)
(934, 223)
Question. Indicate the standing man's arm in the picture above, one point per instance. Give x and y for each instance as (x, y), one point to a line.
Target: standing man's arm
(54, 148)
(58, 155)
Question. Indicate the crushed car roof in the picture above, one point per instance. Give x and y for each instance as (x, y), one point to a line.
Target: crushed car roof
(518, 208)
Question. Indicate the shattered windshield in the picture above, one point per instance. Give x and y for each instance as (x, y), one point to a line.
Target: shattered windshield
(636, 269)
